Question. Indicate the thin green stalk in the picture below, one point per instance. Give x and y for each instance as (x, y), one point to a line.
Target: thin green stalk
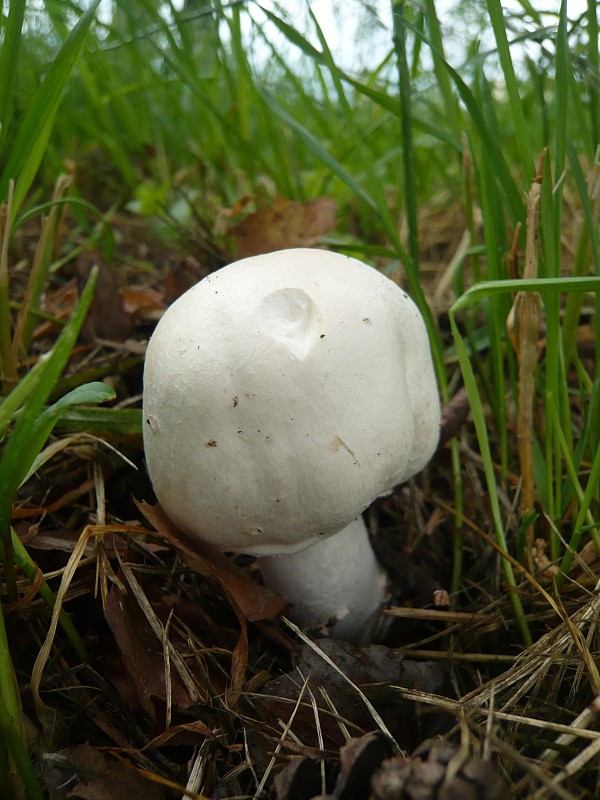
(20, 757)
(587, 249)
(584, 519)
(488, 467)
(563, 68)
(8, 685)
(594, 68)
(458, 538)
(35, 129)
(495, 307)
(9, 60)
(490, 147)
(555, 374)
(40, 270)
(7, 361)
(449, 99)
(521, 128)
(410, 181)
(480, 291)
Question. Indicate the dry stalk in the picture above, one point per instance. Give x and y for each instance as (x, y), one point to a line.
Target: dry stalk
(523, 326)
(44, 712)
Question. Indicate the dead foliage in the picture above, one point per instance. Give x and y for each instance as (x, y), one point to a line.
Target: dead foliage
(284, 224)
(195, 686)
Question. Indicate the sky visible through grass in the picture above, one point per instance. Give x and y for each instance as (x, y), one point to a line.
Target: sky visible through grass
(359, 31)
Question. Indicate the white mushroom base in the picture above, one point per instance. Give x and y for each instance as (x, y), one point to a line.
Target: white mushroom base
(335, 582)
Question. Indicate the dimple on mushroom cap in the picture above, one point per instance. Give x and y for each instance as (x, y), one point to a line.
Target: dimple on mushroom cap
(282, 395)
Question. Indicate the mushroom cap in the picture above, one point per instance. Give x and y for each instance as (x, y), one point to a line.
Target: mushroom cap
(282, 395)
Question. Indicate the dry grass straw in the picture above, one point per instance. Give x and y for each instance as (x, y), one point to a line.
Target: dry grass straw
(45, 713)
(528, 308)
(503, 714)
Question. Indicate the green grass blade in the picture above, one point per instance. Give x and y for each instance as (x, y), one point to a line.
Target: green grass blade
(490, 146)
(34, 132)
(18, 396)
(586, 499)
(20, 757)
(118, 424)
(452, 139)
(8, 686)
(442, 77)
(561, 88)
(95, 392)
(9, 59)
(594, 66)
(485, 289)
(521, 128)
(316, 147)
(408, 159)
(488, 466)
(20, 450)
(588, 249)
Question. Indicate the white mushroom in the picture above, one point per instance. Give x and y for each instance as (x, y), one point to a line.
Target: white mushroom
(282, 395)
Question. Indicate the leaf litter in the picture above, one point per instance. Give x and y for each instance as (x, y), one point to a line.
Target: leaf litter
(195, 688)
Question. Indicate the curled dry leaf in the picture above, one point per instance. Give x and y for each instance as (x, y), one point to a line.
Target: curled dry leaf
(249, 600)
(300, 780)
(454, 415)
(359, 759)
(253, 600)
(283, 225)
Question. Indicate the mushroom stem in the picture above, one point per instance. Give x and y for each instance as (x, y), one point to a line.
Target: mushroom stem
(335, 582)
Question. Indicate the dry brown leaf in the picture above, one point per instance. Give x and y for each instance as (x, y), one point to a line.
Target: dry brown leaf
(454, 415)
(285, 224)
(142, 653)
(248, 599)
(363, 666)
(84, 773)
(106, 318)
(138, 300)
(253, 600)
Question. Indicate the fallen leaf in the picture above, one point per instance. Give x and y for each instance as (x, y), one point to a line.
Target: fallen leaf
(142, 653)
(253, 600)
(285, 224)
(376, 665)
(300, 780)
(248, 599)
(182, 276)
(137, 301)
(106, 318)
(84, 773)
(359, 759)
